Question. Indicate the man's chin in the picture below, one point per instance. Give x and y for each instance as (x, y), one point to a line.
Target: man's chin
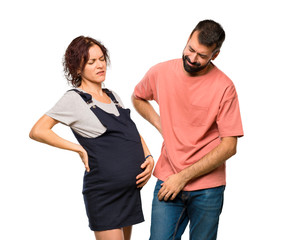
(191, 70)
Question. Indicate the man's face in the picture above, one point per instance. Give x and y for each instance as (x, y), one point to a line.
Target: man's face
(196, 57)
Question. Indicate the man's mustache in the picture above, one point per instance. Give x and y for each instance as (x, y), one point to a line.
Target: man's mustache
(192, 63)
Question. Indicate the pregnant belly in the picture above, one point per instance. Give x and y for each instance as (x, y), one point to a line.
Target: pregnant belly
(115, 167)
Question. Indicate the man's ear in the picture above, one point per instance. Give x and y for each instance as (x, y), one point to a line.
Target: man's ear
(215, 55)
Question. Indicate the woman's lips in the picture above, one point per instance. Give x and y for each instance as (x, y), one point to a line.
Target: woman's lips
(101, 73)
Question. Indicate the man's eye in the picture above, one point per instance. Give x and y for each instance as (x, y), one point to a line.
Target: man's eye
(203, 57)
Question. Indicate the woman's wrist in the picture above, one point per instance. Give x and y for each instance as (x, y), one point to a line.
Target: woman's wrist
(148, 156)
(78, 148)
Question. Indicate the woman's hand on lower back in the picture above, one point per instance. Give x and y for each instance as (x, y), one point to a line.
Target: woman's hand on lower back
(84, 157)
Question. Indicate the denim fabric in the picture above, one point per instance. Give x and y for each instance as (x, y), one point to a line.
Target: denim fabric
(201, 208)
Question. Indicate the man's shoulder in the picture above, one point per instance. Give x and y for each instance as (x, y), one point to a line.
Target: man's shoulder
(166, 65)
(168, 62)
(222, 77)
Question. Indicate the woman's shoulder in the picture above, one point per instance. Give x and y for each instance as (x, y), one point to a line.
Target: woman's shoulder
(69, 100)
(73, 92)
(71, 95)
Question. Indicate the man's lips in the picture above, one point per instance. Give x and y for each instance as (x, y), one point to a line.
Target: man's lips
(194, 64)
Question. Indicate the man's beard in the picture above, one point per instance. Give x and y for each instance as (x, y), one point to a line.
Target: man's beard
(193, 67)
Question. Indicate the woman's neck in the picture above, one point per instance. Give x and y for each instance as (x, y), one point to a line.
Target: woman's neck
(92, 88)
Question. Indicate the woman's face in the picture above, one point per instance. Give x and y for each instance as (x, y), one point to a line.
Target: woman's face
(95, 68)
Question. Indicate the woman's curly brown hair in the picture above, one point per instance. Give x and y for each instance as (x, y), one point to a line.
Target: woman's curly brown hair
(76, 57)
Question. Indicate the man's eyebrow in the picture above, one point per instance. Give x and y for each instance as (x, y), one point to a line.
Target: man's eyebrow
(200, 54)
(190, 48)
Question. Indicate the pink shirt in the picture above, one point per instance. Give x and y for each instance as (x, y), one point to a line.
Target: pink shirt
(195, 113)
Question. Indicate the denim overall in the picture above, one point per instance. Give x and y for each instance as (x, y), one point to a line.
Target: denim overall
(111, 197)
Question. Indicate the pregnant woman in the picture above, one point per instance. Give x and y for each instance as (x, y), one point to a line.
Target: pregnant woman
(117, 161)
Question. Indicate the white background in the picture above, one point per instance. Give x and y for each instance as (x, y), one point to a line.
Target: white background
(41, 186)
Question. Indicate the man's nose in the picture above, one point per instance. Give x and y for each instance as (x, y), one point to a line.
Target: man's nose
(193, 57)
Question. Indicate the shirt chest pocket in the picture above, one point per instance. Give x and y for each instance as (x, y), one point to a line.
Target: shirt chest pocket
(198, 115)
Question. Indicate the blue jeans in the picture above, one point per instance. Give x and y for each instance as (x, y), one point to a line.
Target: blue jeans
(202, 208)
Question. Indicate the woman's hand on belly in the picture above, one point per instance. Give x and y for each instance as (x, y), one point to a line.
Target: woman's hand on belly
(143, 178)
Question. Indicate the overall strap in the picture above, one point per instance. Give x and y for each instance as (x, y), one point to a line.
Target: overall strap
(85, 96)
(88, 98)
(111, 95)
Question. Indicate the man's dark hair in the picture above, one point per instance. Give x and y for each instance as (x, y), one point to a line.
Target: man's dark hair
(210, 33)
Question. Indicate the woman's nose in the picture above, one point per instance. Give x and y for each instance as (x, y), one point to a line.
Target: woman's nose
(100, 64)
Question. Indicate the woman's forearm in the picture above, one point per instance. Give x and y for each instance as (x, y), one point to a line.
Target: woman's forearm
(42, 132)
(145, 147)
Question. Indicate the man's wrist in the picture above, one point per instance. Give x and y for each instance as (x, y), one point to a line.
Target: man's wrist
(185, 176)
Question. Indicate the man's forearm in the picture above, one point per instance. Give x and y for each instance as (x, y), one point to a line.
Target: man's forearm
(176, 182)
(146, 110)
(215, 158)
